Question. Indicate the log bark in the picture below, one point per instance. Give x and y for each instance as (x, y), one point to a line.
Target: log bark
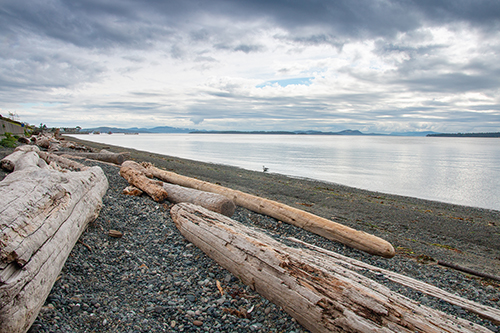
(8, 162)
(152, 187)
(320, 294)
(43, 213)
(483, 311)
(104, 156)
(313, 223)
(212, 201)
(62, 161)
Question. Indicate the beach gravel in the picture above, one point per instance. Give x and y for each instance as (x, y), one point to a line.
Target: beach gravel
(152, 280)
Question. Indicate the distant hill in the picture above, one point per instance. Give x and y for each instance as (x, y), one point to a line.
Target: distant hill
(159, 129)
(468, 135)
(425, 133)
(344, 132)
(168, 129)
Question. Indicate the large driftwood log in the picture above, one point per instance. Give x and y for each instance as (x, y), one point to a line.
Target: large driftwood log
(135, 177)
(319, 293)
(212, 201)
(316, 224)
(103, 155)
(483, 311)
(62, 161)
(8, 162)
(43, 213)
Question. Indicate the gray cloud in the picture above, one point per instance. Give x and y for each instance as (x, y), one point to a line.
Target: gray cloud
(67, 45)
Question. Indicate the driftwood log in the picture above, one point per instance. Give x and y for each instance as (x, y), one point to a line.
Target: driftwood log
(8, 162)
(135, 177)
(103, 155)
(62, 161)
(212, 201)
(318, 292)
(44, 212)
(313, 223)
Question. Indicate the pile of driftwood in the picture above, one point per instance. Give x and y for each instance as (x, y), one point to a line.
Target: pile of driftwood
(54, 143)
(45, 204)
(322, 290)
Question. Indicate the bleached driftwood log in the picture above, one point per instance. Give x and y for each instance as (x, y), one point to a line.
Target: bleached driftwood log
(212, 201)
(318, 292)
(483, 311)
(43, 212)
(153, 188)
(8, 162)
(313, 223)
(62, 161)
(103, 155)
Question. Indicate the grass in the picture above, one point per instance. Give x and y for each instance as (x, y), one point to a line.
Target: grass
(10, 141)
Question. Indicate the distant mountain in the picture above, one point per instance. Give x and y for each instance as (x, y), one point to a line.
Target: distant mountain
(468, 135)
(159, 129)
(344, 132)
(425, 133)
(168, 129)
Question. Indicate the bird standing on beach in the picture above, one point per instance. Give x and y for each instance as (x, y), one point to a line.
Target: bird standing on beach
(264, 168)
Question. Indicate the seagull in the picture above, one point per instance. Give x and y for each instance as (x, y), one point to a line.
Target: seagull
(264, 168)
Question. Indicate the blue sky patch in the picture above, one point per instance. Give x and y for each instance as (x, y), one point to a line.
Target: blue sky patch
(286, 82)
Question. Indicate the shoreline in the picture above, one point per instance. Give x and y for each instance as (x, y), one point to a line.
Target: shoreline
(152, 279)
(415, 179)
(466, 236)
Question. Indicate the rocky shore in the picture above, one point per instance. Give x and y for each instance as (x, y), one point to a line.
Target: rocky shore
(152, 280)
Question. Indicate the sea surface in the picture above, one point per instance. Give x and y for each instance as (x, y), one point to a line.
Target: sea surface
(464, 171)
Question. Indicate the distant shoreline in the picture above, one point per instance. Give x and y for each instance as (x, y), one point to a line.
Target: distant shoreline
(467, 135)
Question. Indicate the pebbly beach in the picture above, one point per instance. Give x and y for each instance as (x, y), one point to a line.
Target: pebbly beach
(152, 280)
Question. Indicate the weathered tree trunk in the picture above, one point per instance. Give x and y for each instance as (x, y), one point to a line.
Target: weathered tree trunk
(318, 225)
(320, 294)
(43, 213)
(62, 161)
(104, 156)
(212, 201)
(152, 187)
(483, 311)
(8, 162)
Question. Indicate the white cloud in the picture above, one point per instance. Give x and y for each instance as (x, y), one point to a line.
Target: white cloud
(232, 67)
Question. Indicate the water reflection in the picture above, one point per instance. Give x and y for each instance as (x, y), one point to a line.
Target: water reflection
(457, 170)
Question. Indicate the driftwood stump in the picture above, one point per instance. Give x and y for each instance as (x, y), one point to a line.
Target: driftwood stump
(44, 212)
(310, 222)
(321, 294)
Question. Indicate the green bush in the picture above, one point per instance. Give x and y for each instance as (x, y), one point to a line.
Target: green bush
(9, 141)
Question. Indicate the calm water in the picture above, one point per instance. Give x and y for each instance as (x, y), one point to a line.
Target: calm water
(463, 171)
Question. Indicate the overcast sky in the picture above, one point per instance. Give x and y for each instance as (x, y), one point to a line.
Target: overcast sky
(369, 65)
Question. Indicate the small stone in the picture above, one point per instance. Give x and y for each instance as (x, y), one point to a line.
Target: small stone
(191, 298)
(197, 323)
(75, 308)
(115, 233)
(267, 310)
(159, 309)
